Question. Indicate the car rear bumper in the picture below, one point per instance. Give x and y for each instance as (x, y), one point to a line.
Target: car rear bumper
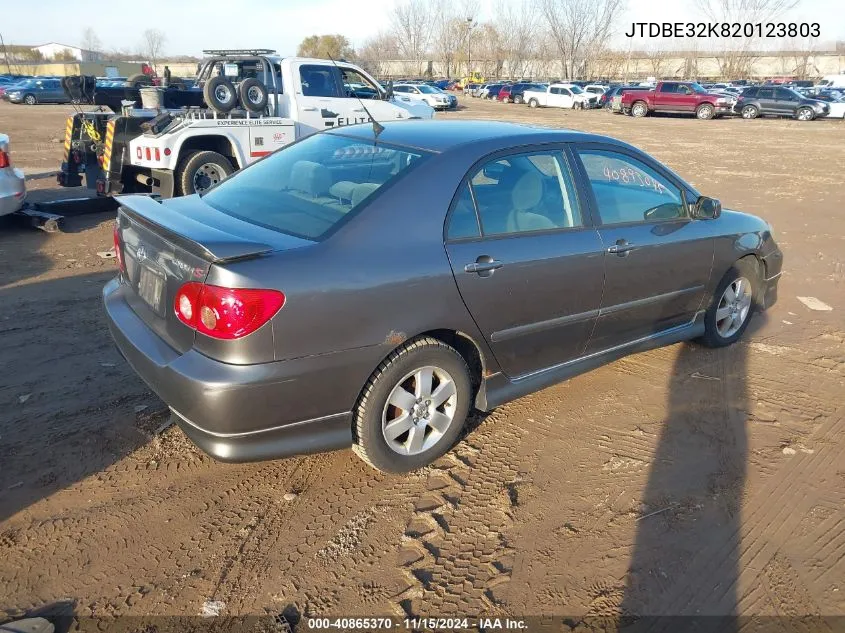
(12, 190)
(242, 412)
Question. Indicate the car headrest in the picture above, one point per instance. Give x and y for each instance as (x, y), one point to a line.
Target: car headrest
(310, 177)
(527, 221)
(362, 191)
(528, 191)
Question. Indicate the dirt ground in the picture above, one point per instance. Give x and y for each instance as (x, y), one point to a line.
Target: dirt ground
(677, 481)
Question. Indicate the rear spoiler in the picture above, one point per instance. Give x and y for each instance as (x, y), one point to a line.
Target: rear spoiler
(195, 236)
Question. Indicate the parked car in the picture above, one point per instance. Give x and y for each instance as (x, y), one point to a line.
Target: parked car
(560, 96)
(469, 89)
(549, 252)
(835, 104)
(493, 91)
(453, 100)
(778, 101)
(606, 100)
(12, 183)
(33, 91)
(504, 94)
(423, 92)
(676, 96)
(596, 89)
(482, 91)
(518, 90)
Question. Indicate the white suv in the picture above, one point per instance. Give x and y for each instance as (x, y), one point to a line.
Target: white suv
(423, 92)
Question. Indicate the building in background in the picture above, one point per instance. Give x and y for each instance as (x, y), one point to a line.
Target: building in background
(54, 50)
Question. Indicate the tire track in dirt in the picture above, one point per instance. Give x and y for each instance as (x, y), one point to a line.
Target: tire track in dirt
(457, 551)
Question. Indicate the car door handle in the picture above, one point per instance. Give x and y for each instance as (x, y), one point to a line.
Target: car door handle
(309, 109)
(358, 110)
(483, 266)
(621, 247)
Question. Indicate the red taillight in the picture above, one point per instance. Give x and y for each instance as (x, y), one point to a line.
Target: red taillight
(117, 253)
(225, 313)
(158, 154)
(5, 161)
(147, 152)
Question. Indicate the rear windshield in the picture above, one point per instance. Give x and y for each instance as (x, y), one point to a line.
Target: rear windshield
(307, 188)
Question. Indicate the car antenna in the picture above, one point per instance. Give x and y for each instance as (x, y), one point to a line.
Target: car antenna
(378, 128)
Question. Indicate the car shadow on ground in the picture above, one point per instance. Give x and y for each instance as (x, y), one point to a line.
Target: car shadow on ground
(68, 402)
(685, 560)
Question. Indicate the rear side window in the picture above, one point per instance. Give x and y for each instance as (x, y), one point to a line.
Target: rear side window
(627, 190)
(307, 188)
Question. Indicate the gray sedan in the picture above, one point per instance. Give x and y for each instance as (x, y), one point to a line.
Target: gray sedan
(368, 290)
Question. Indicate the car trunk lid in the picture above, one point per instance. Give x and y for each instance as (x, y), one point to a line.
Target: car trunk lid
(163, 245)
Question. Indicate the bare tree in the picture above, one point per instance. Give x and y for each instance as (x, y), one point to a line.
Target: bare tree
(802, 51)
(737, 55)
(90, 43)
(658, 58)
(516, 22)
(412, 23)
(377, 51)
(152, 45)
(578, 28)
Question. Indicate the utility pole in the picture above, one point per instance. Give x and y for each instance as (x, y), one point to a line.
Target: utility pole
(5, 54)
(469, 49)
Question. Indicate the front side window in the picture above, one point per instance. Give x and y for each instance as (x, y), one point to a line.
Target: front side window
(524, 193)
(356, 85)
(308, 187)
(785, 94)
(627, 190)
(319, 81)
(576, 90)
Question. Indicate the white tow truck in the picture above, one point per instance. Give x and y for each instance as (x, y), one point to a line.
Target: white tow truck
(244, 105)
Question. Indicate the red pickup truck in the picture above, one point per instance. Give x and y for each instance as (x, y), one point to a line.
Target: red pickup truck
(676, 96)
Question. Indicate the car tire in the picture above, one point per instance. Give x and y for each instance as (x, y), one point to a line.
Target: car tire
(639, 109)
(30, 100)
(219, 94)
(750, 112)
(253, 95)
(517, 100)
(720, 327)
(533, 103)
(199, 171)
(705, 112)
(406, 451)
(805, 114)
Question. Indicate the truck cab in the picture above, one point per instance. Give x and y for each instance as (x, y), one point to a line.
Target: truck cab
(171, 152)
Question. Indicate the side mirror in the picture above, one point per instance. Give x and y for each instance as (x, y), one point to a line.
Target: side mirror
(706, 209)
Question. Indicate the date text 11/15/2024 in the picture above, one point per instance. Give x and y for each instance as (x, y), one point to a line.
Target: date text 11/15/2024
(416, 624)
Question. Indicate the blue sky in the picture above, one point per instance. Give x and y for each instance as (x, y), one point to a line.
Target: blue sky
(192, 25)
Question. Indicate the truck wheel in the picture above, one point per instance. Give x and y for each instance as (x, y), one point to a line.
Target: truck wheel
(199, 171)
(139, 79)
(805, 114)
(219, 94)
(253, 95)
(705, 112)
(533, 103)
(639, 109)
(413, 407)
(30, 100)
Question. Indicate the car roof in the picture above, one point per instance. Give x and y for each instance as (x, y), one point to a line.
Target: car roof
(443, 136)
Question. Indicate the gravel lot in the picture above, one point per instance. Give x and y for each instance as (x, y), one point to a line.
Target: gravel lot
(681, 480)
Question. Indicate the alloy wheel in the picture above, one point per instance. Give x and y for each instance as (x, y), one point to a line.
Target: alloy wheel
(734, 307)
(419, 411)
